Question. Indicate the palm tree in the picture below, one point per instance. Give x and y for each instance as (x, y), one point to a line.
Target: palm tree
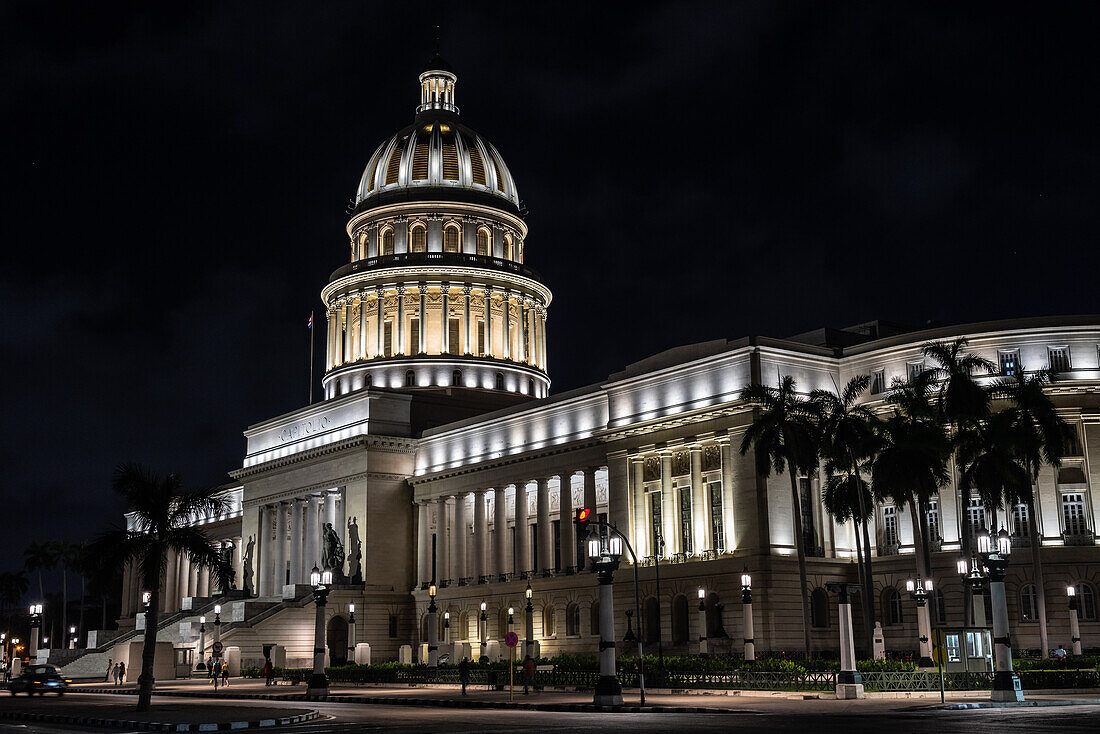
(13, 587)
(163, 511)
(1043, 438)
(845, 435)
(782, 436)
(39, 557)
(990, 462)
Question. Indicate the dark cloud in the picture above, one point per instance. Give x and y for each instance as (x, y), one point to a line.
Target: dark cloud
(176, 178)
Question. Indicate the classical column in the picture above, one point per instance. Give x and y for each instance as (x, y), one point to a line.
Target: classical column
(499, 566)
(170, 603)
(296, 513)
(267, 556)
(330, 508)
(565, 522)
(590, 488)
(362, 325)
(442, 526)
(338, 346)
(193, 581)
(727, 495)
(542, 338)
(184, 589)
(313, 534)
(545, 540)
(127, 590)
(380, 322)
(422, 346)
(700, 525)
(330, 330)
(399, 329)
(347, 332)
(341, 524)
(467, 343)
(640, 536)
(458, 538)
(424, 544)
(445, 333)
(481, 531)
(668, 507)
(507, 310)
(279, 576)
(523, 542)
(521, 329)
(204, 581)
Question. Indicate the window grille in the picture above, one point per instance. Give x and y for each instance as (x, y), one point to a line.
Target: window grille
(1058, 358)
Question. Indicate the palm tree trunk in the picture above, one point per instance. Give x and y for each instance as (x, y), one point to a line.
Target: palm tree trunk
(796, 511)
(1037, 574)
(862, 584)
(149, 651)
(918, 539)
(868, 578)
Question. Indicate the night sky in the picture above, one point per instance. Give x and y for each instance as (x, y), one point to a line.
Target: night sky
(175, 183)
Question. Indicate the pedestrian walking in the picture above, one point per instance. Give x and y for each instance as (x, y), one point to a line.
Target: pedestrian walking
(121, 672)
(110, 671)
(225, 672)
(464, 674)
(269, 672)
(528, 674)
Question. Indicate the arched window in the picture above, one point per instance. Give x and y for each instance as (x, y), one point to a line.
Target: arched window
(463, 627)
(652, 620)
(891, 607)
(483, 242)
(1086, 602)
(456, 378)
(502, 621)
(573, 619)
(819, 608)
(370, 380)
(418, 238)
(594, 619)
(424, 628)
(508, 247)
(549, 621)
(937, 608)
(715, 628)
(500, 381)
(387, 241)
(679, 620)
(410, 378)
(1029, 603)
(451, 239)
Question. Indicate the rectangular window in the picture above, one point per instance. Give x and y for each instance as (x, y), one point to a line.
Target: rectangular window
(913, 369)
(1058, 359)
(951, 642)
(688, 544)
(890, 525)
(414, 336)
(1029, 604)
(932, 517)
(1021, 527)
(1073, 445)
(387, 339)
(975, 516)
(974, 645)
(878, 382)
(480, 331)
(716, 526)
(393, 625)
(454, 344)
(655, 525)
(1073, 513)
(1010, 363)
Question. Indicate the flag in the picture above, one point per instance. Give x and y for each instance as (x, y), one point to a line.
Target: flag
(310, 324)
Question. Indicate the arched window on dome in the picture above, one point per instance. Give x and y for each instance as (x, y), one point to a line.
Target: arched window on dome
(418, 238)
(451, 238)
(387, 241)
(500, 381)
(410, 378)
(456, 378)
(483, 240)
(508, 247)
(370, 380)
(519, 252)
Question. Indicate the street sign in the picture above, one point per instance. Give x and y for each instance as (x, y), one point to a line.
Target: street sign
(511, 639)
(217, 648)
(937, 646)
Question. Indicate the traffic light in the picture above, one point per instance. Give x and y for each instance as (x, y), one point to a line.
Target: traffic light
(584, 516)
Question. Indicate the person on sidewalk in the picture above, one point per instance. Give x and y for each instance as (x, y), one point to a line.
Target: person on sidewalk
(464, 674)
(110, 671)
(225, 672)
(216, 673)
(120, 673)
(269, 673)
(528, 674)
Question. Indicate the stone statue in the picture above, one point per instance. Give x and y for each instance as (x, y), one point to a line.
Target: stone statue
(250, 549)
(333, 555)
(355, 552)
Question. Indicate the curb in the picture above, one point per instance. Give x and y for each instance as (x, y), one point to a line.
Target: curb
(157, 725)
(434, 702)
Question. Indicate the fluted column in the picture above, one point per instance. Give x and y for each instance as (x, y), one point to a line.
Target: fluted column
(442, 533)
(700, 525)
(422, 346)
(330, 509)
(362, 325)
(380, 322)
(341, 311)
(668, 507)
(458, 538)
(424, 544)
(330, 320)
(279, 578)
(730, 541)
(521, 326)
(204, 581)
(468, 347)
(313, 534)
(267, 556)
(347, 333)
(184, 589)
(488, 309)
(127, 589)
(590, 487)
(507, 310)
(399, 329)
(523, 542)
(545, 540)
(640, 536)
(565, 521)
(500, 530)
(481, 531)
(445, 333)
(193, 581)
(169, 605)
(296, 514)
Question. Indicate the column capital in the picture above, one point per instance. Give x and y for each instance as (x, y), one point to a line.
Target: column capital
(379, 292)
(401, 289)
(466, 289)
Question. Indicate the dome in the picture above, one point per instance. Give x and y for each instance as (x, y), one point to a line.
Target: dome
(436, 156)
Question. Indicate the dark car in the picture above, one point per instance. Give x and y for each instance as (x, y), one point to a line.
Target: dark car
(38, 679)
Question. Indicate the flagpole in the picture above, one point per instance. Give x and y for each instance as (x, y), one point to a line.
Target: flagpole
(311, 340)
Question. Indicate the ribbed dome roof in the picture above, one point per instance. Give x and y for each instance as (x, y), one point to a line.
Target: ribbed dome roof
(436, 156)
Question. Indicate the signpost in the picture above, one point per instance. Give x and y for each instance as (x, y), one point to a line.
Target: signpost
(937, 656)
(511, 640)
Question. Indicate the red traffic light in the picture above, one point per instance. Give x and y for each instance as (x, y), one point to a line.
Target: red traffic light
(584, 515)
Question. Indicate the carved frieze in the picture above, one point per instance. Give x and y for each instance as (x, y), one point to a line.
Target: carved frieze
(652, 468)
(712, 457)
(681, 463)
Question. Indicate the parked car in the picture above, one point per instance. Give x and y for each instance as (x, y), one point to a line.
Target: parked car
(39, 679)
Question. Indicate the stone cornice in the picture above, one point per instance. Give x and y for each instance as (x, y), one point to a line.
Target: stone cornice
(399, 275)
(385, 444)
(299, 492)
(502, 461)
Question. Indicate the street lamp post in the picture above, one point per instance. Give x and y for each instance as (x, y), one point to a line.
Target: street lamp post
(605, 560)
(72, 637)
(1006, 684)
(321, 581)
(971, 573)
(529, 643)
(849, 683)
(918, 592)
(217, 631)
(36, 621)
(1074, 622)
(746, 610)
(446, 628)
(702, 621)
(660, 547)
(433, 628)
(200, 667)
(351, 633)
(483, 631)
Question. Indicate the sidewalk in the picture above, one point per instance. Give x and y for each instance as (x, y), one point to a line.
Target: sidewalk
(707, 701)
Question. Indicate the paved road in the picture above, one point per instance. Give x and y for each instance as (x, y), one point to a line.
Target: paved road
(779, 718)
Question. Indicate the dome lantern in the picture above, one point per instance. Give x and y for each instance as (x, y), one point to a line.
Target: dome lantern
(437, 86)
